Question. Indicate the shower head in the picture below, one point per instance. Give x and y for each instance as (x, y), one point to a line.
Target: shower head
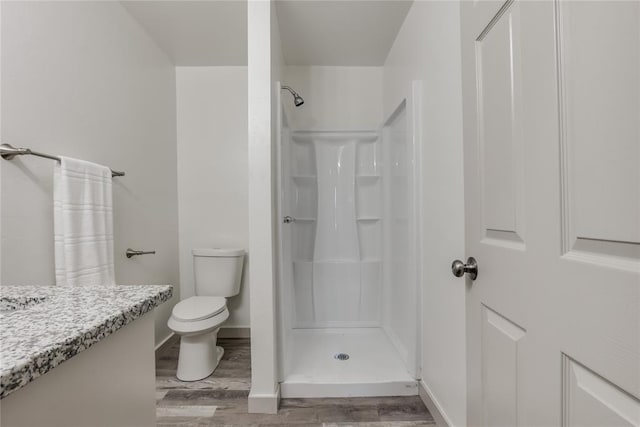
(297, 99)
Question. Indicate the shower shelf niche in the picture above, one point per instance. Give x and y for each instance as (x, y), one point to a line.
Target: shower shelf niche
(335, 196)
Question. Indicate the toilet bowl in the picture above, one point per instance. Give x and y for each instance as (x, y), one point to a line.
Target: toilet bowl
(197, 319)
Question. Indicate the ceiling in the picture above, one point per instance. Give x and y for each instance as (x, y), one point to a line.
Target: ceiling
(347, 32)
(313, 32)
(194, 33)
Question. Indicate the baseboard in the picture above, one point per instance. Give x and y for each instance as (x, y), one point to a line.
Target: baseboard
(432, 404)
(264, 403)
(327, 390)
(166, 343)
(235, 332)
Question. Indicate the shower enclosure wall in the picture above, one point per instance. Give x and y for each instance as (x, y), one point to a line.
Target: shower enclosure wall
(347, 290)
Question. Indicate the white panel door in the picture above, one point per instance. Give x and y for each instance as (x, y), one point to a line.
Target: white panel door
(552, 199)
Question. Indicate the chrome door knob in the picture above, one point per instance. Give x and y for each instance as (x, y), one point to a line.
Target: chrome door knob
(288, 219)
(459, 268)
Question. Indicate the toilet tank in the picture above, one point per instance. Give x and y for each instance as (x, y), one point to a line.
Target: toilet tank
(217, 271)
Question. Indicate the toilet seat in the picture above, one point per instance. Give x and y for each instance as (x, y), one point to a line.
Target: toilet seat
(197, 327)
(198, 308)
(197, 315)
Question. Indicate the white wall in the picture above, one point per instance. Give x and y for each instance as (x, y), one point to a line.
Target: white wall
(265, 65)
(337, 98)
(213, 171)
(82, 79)
(428, 49)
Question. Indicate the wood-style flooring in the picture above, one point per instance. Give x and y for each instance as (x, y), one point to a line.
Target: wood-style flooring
(221, 399)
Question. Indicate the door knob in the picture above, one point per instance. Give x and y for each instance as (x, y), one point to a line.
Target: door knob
(458, 268)
(288, 219)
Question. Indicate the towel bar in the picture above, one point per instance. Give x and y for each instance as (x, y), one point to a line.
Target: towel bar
(8, 152)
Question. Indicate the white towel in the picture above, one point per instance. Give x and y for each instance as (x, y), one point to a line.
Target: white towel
(83, 223)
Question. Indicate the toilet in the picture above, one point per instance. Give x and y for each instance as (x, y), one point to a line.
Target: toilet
(217, 274)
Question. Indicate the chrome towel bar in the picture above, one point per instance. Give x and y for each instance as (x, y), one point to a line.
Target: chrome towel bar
(8, 152)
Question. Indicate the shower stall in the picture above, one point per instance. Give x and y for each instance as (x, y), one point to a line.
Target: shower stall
(347, 288)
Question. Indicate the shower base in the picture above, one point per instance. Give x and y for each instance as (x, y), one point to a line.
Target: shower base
(373, 366)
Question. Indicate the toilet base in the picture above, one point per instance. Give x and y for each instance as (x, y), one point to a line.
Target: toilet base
(199, 356)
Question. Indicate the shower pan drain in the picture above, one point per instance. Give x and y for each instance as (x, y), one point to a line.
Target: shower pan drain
(341, 356)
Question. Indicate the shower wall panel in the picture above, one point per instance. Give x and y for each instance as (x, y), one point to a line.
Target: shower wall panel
(335, 198)
(400, 293)
(336, 228)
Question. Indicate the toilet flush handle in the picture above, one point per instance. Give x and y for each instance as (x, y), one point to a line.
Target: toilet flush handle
(288, 219)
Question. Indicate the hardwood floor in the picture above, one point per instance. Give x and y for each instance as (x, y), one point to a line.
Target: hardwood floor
(221, 399)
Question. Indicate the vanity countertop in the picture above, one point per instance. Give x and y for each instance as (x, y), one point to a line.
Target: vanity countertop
(42, 326)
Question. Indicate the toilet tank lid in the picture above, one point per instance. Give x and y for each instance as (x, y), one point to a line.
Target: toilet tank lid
(218, 252)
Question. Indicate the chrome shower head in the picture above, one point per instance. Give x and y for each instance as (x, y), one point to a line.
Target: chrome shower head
(297, 99)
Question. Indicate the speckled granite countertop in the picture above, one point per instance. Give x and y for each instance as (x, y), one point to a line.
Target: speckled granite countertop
(42, 326)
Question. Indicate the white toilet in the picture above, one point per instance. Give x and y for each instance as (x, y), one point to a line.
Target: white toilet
(217, 274)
